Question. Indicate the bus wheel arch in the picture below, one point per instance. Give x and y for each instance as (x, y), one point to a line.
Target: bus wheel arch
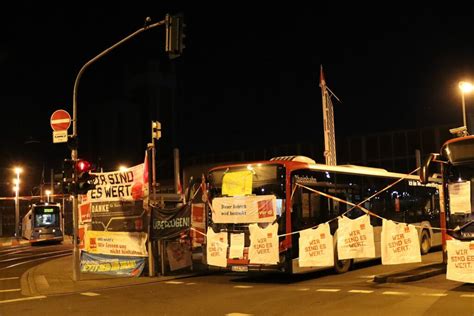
(425, 242)
(341, 266)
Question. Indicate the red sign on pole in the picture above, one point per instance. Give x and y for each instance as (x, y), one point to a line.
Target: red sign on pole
(60, 120)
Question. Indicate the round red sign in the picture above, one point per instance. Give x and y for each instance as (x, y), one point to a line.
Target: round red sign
(60, 120)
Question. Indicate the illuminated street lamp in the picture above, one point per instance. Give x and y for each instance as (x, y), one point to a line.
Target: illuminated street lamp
(48, 193)
(466, 87)
(123, 168)
(16, 188)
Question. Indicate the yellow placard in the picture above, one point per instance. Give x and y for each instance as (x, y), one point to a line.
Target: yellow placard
(237, 183)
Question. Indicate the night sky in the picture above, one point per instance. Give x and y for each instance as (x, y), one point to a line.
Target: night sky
(248, 77)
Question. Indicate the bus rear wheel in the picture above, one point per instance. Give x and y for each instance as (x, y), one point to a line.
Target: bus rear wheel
(425, 242)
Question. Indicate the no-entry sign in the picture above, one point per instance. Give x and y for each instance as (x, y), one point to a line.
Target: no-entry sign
(60, 120)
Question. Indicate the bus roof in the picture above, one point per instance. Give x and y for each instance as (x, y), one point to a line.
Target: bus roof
(300, 164)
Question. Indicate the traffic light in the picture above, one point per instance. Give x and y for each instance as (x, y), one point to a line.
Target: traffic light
(155, 130)
(85, 180)
(69, 167)
(174, 35)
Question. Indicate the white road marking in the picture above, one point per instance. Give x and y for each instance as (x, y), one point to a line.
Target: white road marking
(303, 289)
(367, 277)
(328, 290)
(467, 295)
(12, 278)
(394, 293)
(238, 314)
(90, 294)
(10, 290)
(23, 299)
(361, 291)
(191, 283)
(434, 294)
(174, 282)
(243, 286)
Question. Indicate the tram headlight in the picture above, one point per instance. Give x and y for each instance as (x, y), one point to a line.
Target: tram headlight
(54, 230)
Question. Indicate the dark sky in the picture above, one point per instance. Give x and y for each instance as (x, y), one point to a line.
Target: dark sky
(248, 76)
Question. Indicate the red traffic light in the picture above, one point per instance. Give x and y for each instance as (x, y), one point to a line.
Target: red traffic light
(83, 166)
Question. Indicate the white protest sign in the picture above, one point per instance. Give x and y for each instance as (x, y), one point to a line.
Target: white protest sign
(244, 209)
(264, 244)
(399, 243)
(236, 245)
(460, 261)
(355, 238)
(460, 197)
(216, 248)
(316, 247)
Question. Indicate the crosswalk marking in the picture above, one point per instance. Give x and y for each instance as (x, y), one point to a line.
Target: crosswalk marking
(394, 293)
(361, 291)
(327, 290)
(90, 294)
(303, 289)
(11, 278)
(467, 295)
(243, 286)
(23, 299)
(10, 290)
(434, 294)
(174, 282)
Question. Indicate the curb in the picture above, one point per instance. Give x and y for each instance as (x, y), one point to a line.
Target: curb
(412, 275)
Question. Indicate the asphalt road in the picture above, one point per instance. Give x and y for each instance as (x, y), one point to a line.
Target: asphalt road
(15, 260)
(323, 293)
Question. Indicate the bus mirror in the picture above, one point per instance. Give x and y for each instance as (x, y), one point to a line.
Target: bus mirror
(424, 169)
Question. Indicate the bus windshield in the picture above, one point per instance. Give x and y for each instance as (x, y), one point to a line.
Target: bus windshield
(264, 179)
(46, 216)
(460, 182)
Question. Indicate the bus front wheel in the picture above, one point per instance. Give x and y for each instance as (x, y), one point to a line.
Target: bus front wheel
(341, 266)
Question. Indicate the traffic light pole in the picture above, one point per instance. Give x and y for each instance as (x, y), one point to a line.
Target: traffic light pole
(74, 153)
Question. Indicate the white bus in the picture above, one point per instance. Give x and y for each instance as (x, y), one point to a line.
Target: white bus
(293, 180)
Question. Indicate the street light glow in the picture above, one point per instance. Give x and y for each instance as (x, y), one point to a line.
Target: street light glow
(18, 170)
(466, 87)
(123, 168)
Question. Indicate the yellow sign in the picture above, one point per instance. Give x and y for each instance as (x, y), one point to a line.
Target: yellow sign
(237, 183)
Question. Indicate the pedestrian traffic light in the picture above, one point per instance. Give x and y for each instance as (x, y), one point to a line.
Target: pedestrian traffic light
(85, 179)
(174, 35)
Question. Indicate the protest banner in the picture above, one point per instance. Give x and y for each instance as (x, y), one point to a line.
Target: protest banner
(170, 222)
(244, 209)
(460, 265)
(116, 243)
(112, 265)
(355, 238)
(216, 248)
(264, 244)
(316, 247)
(399, 243)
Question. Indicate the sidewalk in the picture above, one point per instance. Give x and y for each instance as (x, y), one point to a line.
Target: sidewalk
(12, 241)
(55, 277)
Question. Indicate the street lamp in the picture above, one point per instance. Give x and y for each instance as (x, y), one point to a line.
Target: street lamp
(466, 87)
(123, 168)
(48, 193)
(16, 188)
